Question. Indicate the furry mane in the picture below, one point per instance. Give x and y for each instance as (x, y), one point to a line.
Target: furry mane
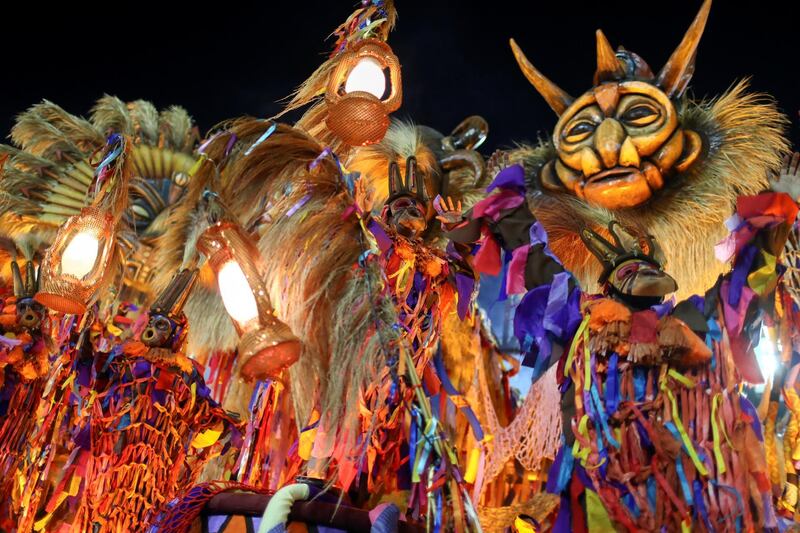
(402, 140)
(743, 144)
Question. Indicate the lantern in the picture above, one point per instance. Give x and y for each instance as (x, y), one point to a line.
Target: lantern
(267, 345)
(363, 89)
(75, 267)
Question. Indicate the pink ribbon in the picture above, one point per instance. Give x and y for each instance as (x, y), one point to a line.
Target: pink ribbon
(487, 260)
(515, 282)
(490, 207)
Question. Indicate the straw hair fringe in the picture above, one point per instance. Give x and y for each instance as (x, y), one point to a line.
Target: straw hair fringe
(309, 268)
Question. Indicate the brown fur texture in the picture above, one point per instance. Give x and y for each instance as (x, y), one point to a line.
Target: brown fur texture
(310, 260)
(402, 140)
(743, 144)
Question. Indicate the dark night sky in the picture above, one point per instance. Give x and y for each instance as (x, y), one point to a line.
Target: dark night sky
(241, 58)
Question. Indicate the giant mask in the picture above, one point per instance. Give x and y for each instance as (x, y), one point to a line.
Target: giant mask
(620, 142)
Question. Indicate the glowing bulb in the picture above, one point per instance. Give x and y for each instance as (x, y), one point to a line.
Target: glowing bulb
(80, 255)
(367, 76)
(767, 357)
(237, 296)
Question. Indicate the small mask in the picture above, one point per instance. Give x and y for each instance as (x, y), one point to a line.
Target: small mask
(363, 90)
(632, 266)
(406, 208)
(159, 331)
(167, 326)
(30, 313)
(638, 277)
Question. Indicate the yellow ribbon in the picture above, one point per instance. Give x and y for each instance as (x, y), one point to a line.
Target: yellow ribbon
(472, 465)
(587, 361)
(194, 395)
(578, 451)
(687, 442)
(402, 275)
(685, 381)
(763, 279)
(596, 515)
(206, 438)
(721, 468)
(198, 164)
(574, 346)
(521, 526)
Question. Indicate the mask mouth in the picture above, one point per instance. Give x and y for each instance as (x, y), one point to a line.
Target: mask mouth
(612, 174)
(409, 224)
(617, 188)
(29, 313)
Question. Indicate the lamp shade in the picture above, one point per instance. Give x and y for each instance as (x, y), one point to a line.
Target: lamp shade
(267, 346)
(74, 266)
(363, 89)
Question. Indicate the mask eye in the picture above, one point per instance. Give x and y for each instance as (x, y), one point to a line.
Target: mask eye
(579, 131)
(640, 115)
(627, 270)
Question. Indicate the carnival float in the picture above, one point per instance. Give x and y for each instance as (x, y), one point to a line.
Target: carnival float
(280, 326)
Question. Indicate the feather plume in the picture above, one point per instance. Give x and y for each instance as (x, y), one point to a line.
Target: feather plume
(110, 114)
(310, 255)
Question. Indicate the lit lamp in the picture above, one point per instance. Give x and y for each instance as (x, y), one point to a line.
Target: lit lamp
(76, 265)
(363, 89)
(267, 346)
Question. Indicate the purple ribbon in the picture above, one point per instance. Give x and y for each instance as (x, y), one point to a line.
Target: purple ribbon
(11, 343)
(510, 178)
(750, 410)
(465, 285)
(300, 203)
(538, 235)
(383, 240)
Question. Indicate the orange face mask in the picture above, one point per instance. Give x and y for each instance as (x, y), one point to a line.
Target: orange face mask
(621, 141)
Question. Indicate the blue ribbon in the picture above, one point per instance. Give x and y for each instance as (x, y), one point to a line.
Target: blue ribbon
(687, 491)
(612, 384)
(651, 493)
(560, 471)
(700, 504)
(263, 138)
(603, 418)
(441, 372)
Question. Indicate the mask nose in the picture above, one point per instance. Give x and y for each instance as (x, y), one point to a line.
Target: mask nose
(608, 141)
